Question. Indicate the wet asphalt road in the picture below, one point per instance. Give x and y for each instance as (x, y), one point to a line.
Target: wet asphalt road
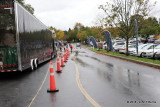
(108, 81)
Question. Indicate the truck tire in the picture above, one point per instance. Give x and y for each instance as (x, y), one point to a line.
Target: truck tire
(35, 63)
(32, 64)
(52, 56)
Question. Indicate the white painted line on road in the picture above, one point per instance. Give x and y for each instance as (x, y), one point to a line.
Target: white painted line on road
(89, 98)
(39, 89)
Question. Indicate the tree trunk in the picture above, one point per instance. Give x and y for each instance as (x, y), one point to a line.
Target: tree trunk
(127, 39)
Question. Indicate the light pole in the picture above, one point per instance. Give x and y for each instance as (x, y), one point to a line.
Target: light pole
(136, 33)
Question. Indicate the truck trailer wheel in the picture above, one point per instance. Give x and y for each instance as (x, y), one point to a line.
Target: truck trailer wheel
(32, 64)
(36, 63)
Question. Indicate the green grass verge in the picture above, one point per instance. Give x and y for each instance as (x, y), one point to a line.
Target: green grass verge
(129, 57)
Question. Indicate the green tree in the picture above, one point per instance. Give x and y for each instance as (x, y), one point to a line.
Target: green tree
(78, 26)
(115, 32)
(119, 14)
(97, 33)
(150, 30)
(82, 35)
(71, 35)
(21, 2)
(27, 6)
(59, 35)
(150, 27)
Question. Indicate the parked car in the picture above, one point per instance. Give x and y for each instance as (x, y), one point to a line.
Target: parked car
(150, 53)
(141, 52)
(134, 51)
(157, 55)
(151, 39)
(118, 45)
(118, 40)
(105, 46)
(144, 40)
(100, 45)
(157, 41)
(78, 45)
(124, 49)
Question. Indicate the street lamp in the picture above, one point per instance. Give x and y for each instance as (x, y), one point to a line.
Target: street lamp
(136, 33)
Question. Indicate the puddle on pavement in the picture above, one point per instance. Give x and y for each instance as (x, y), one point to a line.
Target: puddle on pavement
(122, 79)
(133, 78)
(81, 62)
(114, 74)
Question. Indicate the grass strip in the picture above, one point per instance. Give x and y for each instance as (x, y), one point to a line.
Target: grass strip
(152, 61)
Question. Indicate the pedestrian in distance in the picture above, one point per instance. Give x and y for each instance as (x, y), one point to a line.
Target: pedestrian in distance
(64, 48)
(60, 49)
(71, 48)
(76, 53)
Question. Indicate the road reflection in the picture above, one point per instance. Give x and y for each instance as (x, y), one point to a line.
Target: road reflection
(118, 77)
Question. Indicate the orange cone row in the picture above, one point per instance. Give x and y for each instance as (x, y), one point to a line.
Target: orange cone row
(63, 59)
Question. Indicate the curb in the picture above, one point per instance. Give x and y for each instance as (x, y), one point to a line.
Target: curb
(131, 60)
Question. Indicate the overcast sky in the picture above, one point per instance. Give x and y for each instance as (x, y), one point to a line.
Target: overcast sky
(63, 14)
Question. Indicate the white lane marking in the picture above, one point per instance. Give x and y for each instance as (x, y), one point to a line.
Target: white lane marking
(39, 89)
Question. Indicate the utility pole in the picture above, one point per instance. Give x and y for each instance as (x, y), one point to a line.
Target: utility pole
(136, 34)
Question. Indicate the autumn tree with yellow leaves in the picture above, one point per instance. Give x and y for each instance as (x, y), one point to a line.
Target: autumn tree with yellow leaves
(60, 35)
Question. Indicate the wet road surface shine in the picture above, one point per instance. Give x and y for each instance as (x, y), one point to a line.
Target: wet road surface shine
(117, 83)
(69, 94)
(94, 103)
(44, 80)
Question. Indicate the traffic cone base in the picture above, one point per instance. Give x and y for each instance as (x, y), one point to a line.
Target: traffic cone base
(62, 65)
(52, 90)
(59, 71)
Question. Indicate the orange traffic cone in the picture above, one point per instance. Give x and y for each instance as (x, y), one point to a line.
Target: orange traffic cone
(67, 55)
(52, 79)
(62, 61)
(58, 65)
(65, 58)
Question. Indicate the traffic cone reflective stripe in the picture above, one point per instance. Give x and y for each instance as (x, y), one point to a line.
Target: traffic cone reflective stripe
(51, 74)
(52, 79)
(58, 65)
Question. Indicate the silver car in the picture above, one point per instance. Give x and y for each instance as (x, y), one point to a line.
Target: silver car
(141, 52)
(134, 51)
(157, 55)
(150, 53)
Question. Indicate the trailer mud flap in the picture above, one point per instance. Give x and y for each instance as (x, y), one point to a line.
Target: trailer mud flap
(1, 66)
